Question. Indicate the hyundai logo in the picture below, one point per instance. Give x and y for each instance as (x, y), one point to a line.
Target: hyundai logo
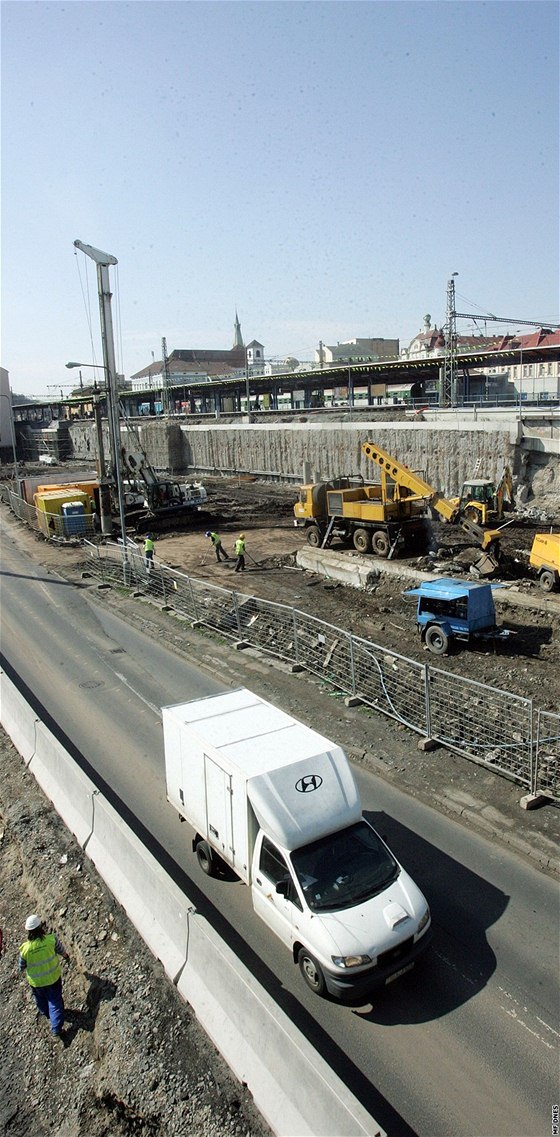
(309, 783)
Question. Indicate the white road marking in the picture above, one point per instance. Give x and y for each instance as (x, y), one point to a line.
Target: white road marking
(123, 679)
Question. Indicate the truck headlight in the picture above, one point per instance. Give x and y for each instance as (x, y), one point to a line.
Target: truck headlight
(350, 960)
(423, 921)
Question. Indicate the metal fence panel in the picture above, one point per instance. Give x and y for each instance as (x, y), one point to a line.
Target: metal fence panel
(391, 683)
(485, 724)
(547, 756)
(325, 650)
(490, 725)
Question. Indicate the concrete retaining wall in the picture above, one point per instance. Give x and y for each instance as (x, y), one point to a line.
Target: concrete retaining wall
(446, 451)
(293, 1087)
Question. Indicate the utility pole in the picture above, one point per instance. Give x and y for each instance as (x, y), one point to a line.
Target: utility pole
(103, 260)
(165, 378)
(448, 381)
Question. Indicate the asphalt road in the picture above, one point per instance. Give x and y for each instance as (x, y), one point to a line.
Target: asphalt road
(465, 1045)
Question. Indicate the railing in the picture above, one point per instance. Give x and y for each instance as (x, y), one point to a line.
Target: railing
(487, 725)
(52, 525)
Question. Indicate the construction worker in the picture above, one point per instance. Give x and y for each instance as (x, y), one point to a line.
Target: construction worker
(218, 547)
(149, 551)
(38, 958)
(240, 553)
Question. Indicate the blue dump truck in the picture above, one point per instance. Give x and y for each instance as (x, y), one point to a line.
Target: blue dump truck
(450, 609)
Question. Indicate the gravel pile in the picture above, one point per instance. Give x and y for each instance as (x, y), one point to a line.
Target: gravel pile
(135, 1060)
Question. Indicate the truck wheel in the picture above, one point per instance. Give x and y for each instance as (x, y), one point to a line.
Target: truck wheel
(205, 857)
(362, 540)
(546, 580)
(311, 972)
(313, 536)
(472, 514)
(380, 543)
(436, 639)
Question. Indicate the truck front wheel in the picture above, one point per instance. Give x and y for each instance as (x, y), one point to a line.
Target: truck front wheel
(436, 639)
(362, 540)
(546, 580)
(205, 857)
(313, 536)
(311, 972)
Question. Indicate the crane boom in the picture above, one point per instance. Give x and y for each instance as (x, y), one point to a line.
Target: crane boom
(407, 479)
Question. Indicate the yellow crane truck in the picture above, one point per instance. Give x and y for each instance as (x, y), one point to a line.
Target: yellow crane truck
(386, 517)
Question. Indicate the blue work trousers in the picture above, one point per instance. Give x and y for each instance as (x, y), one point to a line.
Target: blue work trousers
(50, 1003)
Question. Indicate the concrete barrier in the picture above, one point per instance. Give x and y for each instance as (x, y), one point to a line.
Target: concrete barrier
(355, 571)
(294, 1088)
(17, 718)
(154, 904)
(69, 789)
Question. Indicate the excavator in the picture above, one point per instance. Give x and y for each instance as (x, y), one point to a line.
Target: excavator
(387, 517)
(155, 503)
(485, 502)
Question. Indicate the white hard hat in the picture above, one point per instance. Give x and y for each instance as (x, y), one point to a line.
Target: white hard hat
(32, 923)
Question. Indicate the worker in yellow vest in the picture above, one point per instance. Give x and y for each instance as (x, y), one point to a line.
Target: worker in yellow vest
(240, 553)
(149, 551)
(38, 957)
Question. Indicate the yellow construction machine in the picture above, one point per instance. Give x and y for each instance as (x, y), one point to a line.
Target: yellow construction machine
(485, 502)
(387, 517)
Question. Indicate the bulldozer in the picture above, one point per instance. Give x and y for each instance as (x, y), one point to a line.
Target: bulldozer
(387, 517)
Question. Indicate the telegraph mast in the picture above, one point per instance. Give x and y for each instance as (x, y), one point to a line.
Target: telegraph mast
(165, 378)
(103, 260)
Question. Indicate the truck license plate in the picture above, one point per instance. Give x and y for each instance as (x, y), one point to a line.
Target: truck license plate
(397, 974)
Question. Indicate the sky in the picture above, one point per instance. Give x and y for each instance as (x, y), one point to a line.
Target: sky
(322, 168)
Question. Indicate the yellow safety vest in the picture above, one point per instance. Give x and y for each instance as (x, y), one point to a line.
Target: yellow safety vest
(42, 964)
(148, 545)
(239, 547)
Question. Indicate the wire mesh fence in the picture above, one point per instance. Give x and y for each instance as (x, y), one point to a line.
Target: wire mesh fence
(491, 726)
(52, 525)
(488, 725)
(547, 757)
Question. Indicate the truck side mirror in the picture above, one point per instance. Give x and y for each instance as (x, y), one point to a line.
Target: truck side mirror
(282, 887)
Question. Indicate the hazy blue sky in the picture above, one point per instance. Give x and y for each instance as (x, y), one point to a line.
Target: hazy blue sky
(321, 167)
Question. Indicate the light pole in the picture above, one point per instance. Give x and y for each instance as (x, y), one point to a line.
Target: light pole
(518, 334)
(102, 261)
(247, 391)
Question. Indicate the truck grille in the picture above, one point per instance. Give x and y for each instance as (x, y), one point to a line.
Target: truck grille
(396, 953)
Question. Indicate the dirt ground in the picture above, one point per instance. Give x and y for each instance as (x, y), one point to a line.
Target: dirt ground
(527, 663)
(136, 1063)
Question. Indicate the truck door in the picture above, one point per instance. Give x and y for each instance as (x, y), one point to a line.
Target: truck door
(278, 911)
(217, 786)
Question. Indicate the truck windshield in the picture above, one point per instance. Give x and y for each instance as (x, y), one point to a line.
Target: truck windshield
(344, 869)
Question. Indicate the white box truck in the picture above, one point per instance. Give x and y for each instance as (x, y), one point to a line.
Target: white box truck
(278, 803)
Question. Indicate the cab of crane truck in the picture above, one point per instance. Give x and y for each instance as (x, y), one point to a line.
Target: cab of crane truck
(450, 609)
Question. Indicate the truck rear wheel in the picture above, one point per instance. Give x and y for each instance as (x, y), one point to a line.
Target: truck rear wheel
(311, 972)
(362, 540)
(205, 858)
(546, 580)
(380, 543)
(313, 536)
(436, 640)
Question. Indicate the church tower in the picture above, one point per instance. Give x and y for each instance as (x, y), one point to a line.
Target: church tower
(238, 338)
